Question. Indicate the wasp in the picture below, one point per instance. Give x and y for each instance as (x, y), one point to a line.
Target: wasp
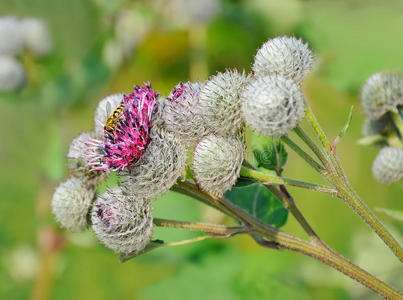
(111, 121)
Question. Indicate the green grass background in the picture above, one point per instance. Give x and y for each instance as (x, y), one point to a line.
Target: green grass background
(351, 38)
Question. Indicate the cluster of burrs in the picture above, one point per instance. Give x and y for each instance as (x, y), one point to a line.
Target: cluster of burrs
(382, 103)
(148, 142)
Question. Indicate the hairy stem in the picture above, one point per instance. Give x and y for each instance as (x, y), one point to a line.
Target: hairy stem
(353, 200)
(338, 178)
(268, 179)
(305, 156)
(185, 191)
(210, 228)
(343, 265)
(312, 145)
(281, 240)
(330, 152)
(397, 119)
(289, 203)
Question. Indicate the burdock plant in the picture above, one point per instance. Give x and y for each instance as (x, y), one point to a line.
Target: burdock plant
(147, 140)
(382, 104)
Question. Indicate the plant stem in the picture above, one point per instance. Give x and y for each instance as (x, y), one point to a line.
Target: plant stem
(154, 245)
(305, 156)
(343, 265)
(351, 198)
(394, 141)
(317, 251)
(183, 190)
(325, 142)
(268, 179)
(316, 127)
(196, 239)
(345, 192)
(312, 145)
(210, 228)
(397, 119)
(289, 203)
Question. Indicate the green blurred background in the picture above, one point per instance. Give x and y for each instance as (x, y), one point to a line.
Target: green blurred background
(351, 38)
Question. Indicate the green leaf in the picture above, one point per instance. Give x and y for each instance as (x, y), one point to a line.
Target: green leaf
(259, 202)
(393, 213)
(243, 181)
(269, 152)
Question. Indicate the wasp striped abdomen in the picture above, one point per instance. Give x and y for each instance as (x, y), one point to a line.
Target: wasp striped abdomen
(110, 124)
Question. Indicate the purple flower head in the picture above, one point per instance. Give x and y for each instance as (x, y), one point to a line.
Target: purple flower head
(176, 92)
(128, 139)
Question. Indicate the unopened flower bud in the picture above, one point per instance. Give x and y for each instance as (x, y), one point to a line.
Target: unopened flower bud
(220, 102)
(285, 56)
(182, 114)
(12, 74)
(217, 163)
(272, 105)
(382, 92)
(71, 202)
(77, 160)
(122, 223)
(158, 168)
(387, 167)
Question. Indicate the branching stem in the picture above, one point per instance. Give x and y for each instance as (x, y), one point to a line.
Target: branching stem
(398, 121)
(305, 156)
(277, 239)
(268, 179)
(209, 228)
(338, 179)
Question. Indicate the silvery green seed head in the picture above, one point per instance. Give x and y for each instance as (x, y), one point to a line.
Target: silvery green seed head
(382, 92)
(182, 114)
(122, 223)
(104, 110)
(387, 167)
(217, 163)
(36, 36)
(12, 74)
(272, 105)
(77, 160)
(159, 167)
(220, 102)
(71, 202)
(285, 56)
(11, 40)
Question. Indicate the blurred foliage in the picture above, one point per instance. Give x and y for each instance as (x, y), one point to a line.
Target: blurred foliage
(352, 39)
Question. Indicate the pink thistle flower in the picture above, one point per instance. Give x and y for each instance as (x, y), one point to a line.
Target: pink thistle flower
(125, 144)
(176, 92)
